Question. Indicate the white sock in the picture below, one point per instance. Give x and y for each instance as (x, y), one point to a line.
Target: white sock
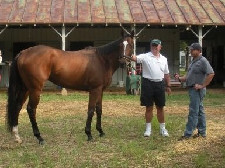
(162, 126)
(148, 126)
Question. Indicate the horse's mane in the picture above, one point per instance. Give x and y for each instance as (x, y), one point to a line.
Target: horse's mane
(108, 48)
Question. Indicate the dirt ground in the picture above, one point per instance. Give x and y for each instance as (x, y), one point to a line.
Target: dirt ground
(215, 119)
(122, 108)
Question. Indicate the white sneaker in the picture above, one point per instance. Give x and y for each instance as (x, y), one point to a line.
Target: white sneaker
(147, 133)
(164, 132)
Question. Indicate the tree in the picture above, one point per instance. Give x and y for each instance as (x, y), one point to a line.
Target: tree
(183, 45)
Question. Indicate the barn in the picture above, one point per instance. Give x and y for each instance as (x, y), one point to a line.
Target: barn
(75, 24)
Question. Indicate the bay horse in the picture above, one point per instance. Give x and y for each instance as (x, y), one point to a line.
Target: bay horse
(90, 69)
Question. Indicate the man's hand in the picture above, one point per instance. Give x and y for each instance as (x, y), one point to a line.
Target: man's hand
(132, 58)
(208, 79)
(168, 90)
(197, 86)
(176, 76)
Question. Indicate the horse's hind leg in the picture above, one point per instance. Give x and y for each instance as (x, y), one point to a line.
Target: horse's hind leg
(34, 98)
(23, 96)
(99, 117)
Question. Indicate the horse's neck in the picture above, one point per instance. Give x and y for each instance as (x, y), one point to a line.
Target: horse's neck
(111, 53)
(114, 60)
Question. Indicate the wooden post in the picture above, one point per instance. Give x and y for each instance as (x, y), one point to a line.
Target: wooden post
(186, 58)
(133, 64)
(200, 37)
(63, 91)
(63, 36)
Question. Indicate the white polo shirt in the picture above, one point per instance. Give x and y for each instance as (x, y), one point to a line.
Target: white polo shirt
(154, 67)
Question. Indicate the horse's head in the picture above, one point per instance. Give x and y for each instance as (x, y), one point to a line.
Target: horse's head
(127, 46)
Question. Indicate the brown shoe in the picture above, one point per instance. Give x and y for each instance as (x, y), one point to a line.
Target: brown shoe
(199, 135)
(184, 138)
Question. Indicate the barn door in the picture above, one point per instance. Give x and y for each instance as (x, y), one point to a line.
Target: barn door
(19, 46)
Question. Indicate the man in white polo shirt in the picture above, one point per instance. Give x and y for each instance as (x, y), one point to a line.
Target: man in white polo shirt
(155, 81)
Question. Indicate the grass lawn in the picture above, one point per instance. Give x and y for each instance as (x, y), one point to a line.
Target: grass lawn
(61, 120)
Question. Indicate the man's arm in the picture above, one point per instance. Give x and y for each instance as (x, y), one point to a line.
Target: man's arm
(181, 79)
(167, 81)
(207, 81)
(134, 58)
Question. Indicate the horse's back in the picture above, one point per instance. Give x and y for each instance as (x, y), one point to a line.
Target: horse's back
(69, 69)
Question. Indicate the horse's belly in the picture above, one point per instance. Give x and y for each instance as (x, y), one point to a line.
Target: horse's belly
(80, 81)
(80, 74)
(68, 81)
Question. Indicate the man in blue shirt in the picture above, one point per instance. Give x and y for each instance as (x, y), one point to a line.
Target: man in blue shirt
(199, 75)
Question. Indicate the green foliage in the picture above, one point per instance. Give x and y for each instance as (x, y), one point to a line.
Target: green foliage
(183, 45)
(201, 160)
(182, 72)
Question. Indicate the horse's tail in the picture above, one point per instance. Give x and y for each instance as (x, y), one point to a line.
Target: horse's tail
(14, 91)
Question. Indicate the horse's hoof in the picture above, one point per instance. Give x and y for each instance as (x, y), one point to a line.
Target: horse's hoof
(89, 138)
(42, 142)
(102, 134)
(19, 141)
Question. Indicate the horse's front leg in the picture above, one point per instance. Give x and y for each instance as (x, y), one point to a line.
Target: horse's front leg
(99, 117)
(94, 95)
(88, 123)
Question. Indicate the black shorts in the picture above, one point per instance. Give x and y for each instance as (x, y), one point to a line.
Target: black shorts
(152, 92)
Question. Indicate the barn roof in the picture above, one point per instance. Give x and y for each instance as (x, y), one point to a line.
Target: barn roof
(170, 12)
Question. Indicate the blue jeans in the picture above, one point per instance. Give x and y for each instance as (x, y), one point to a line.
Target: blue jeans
(196, 117)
